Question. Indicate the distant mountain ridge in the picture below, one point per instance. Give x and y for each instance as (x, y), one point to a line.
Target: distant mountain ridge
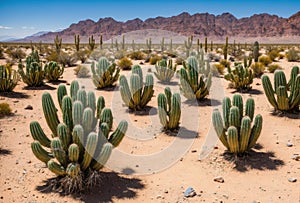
(199, 25)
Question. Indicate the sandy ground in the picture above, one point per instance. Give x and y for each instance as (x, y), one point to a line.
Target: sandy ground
(150, 166)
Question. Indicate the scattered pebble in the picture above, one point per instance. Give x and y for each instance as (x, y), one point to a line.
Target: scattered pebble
(296, 157)
(28, 107)
(194, 150)
(190, 192)
(166, 191)
(219, 179)
(292, 180)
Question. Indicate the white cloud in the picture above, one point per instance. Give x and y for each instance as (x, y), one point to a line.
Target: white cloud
(28, 28)
(5, 27)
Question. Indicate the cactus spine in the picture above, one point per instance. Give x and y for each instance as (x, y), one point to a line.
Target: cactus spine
(234, 130)
(169, 109)
(283, 101)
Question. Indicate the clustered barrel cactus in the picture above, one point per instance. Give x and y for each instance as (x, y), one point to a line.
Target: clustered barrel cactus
(234, 130)
(53, 71)
(194, 85)
(8, 78)
(81, 142)
(138, 95)
(34, 73)
(165, 70)
(169, 109)
(241, 77)
(104, 74)
(283, 100)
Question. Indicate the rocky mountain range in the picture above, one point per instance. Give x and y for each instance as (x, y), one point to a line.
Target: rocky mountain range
(215, 27)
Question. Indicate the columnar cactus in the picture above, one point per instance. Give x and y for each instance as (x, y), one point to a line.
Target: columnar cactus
(81, 141)
(255, 51)
(234, 130)
(53, 71)
(77, 42)
(162, 44)
(104, 74)
(8, 78)
(192, 84)
(137, 96)
(283, 100)
(101, 42)
(241, 77)
(58, 44)
(34, 74)
(169, 109)
(165, 70)
(188, 45)
(225, 49)
(91, 43)
(149, 44)
(205, 45)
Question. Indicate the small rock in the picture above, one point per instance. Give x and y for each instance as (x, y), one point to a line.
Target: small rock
(219, 179)
(194, 150)
(190, 192)
(15, 101)
(226, 196)
(289, 144)
(137, 165)
(296, 157)
(166, 191)
(292, 180)
(158, 196)
(17, 161)
(28, 107)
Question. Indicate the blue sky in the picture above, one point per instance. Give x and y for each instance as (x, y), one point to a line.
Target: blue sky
(21, 18)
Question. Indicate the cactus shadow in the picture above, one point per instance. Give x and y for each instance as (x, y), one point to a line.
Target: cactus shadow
(182, 132)
(147, 111)
(255, 160)
(4, 152)
(204, 102)
(112, 186)
(251, 92)
(171, 83)
(57, 82)
(291, 114)
(14, 95)
(43, 87)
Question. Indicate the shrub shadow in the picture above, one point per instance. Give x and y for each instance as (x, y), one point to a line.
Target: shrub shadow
(5, 152)
(112, 186)
(147, 111)
(182, 132)
(14, 95)
(251, 91)
(255, 160)
(58, 82)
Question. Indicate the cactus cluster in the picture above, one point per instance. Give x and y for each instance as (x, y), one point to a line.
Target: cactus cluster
(104, 74)
(53, 71)
(81, 141)
(193, 84)
(169, 109)
(235, 130)
(165, 70)
(283, 100)
(137, 96)
(34, 74)
(8, 78)
(241, 77)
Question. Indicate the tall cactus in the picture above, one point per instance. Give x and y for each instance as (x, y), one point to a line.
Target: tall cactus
(92, 43)
(283, 101)
(169, 109)
(165, 70)
(256, 51)
(101, 42)
(149, 44)
(34, 74)
(76, 148)
(104, 74)
(138, 95)
(188, 45)
(241, 77)
(53, 71)
(234, 130)
(225, 49)
(8, 78)
(77, 42)
(192, 84)
(58, 44)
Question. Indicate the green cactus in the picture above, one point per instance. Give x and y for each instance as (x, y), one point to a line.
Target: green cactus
(58, 44)
(101, 42)
(192, 84)
(8, 78)
(225, 49)
(91, 43)
(76, 149)
(149, 44)
(234, 130)
(53, 71)
(138, 95)
(104, 74)
(34, 73)
(165, 70)
(77, 42)
(283, 101)
(188, 45)
(169, 109)
(256, 51)
(241, 77)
